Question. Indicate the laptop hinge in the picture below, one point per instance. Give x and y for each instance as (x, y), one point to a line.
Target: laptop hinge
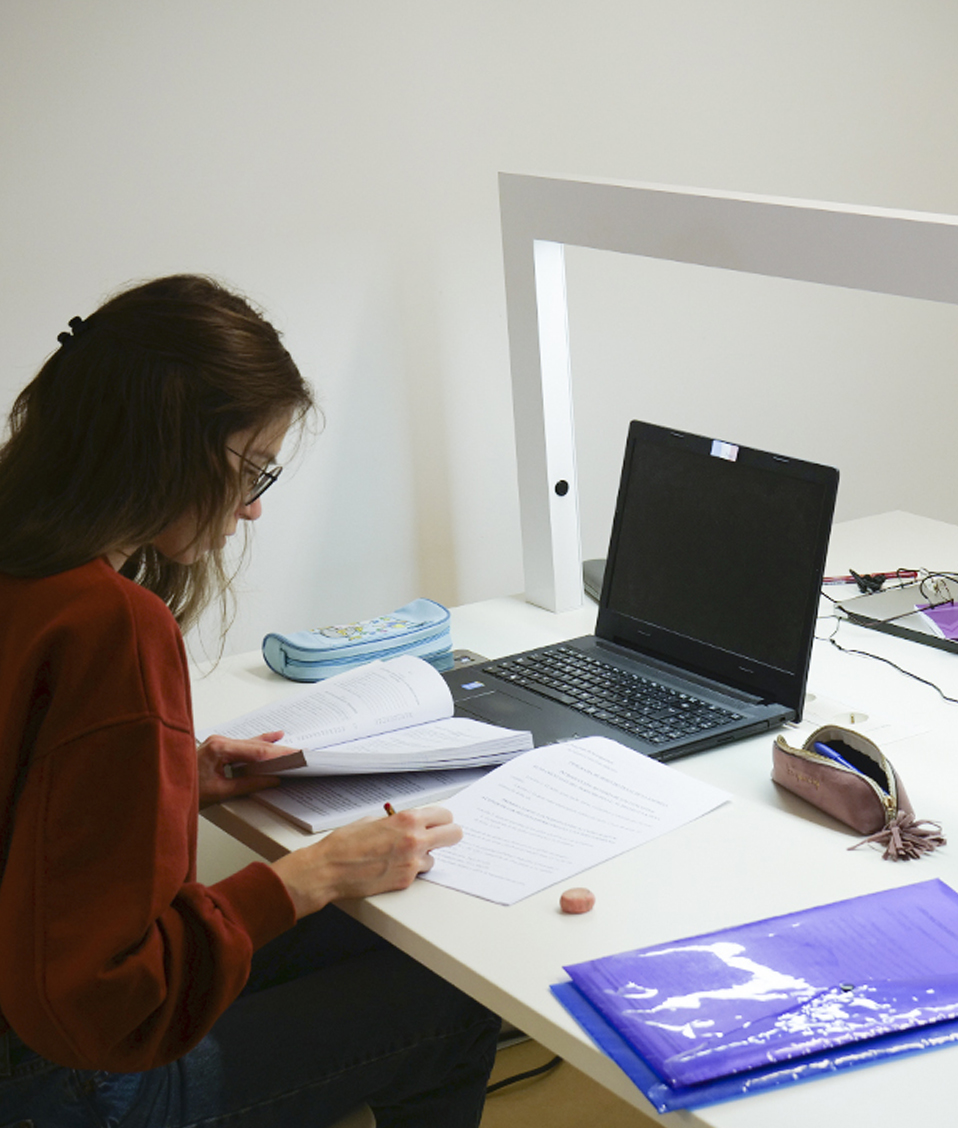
(670, 668)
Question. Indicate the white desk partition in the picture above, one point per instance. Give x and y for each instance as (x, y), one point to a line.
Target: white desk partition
(910, 254)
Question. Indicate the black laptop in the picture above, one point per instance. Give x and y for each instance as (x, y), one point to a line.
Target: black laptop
(707, 611)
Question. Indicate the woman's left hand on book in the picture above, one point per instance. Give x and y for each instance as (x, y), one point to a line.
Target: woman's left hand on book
(216, 752)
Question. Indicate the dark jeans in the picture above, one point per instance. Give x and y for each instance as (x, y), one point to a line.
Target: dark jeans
(331, 1016)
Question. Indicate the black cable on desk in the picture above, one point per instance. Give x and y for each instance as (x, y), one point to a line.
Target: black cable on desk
(888, 662)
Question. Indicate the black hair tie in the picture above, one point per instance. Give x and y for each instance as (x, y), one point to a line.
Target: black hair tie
(78, 327)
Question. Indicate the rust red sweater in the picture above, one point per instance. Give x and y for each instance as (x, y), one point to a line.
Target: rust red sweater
(112, 956)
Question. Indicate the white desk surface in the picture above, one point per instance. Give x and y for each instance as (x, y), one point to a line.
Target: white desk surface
(762, 854)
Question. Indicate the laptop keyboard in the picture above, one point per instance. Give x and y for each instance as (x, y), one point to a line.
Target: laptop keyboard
(638, 705)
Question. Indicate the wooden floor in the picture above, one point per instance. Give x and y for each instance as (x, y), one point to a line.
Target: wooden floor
(563, 1098)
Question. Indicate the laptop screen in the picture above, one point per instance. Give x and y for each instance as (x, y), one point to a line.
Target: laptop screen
(717, 556)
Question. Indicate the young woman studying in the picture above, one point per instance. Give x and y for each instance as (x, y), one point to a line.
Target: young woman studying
(130, 994)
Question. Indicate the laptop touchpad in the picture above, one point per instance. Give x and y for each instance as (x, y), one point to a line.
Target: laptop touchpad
(501, 708)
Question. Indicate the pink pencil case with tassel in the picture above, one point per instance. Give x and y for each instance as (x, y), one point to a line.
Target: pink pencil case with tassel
(846, 775)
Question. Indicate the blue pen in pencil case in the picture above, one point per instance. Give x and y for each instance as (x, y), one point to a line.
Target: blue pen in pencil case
(420, 628)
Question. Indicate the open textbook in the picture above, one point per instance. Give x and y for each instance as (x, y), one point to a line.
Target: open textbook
(387, 716)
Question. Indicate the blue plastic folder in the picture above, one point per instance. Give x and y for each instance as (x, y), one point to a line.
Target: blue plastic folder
(777, 1001)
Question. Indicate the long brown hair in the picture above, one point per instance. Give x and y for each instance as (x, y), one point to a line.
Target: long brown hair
(125, 428)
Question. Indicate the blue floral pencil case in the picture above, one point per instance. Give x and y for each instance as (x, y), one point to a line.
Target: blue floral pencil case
(420, 628)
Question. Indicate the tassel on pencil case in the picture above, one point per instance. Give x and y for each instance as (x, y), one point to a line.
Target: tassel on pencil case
(421, 628)
(846, 775)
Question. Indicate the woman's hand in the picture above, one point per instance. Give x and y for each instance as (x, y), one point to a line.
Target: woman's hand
(215, 753)
(366, 857)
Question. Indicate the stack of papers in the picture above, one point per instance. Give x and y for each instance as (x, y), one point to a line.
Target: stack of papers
(326, 802)
(791, 998)
(559, 810)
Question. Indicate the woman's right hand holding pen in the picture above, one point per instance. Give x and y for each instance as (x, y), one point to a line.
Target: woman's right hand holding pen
(366, 857)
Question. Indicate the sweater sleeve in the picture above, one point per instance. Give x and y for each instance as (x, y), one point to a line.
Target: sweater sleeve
(112, 956)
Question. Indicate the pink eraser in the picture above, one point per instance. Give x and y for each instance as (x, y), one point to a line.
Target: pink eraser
(577, 900)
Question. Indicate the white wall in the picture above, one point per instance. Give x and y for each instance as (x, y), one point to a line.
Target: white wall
(861, 381)
(338, 162)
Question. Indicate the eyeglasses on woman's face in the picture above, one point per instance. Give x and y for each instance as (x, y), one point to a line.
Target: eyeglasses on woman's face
(259, 478)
